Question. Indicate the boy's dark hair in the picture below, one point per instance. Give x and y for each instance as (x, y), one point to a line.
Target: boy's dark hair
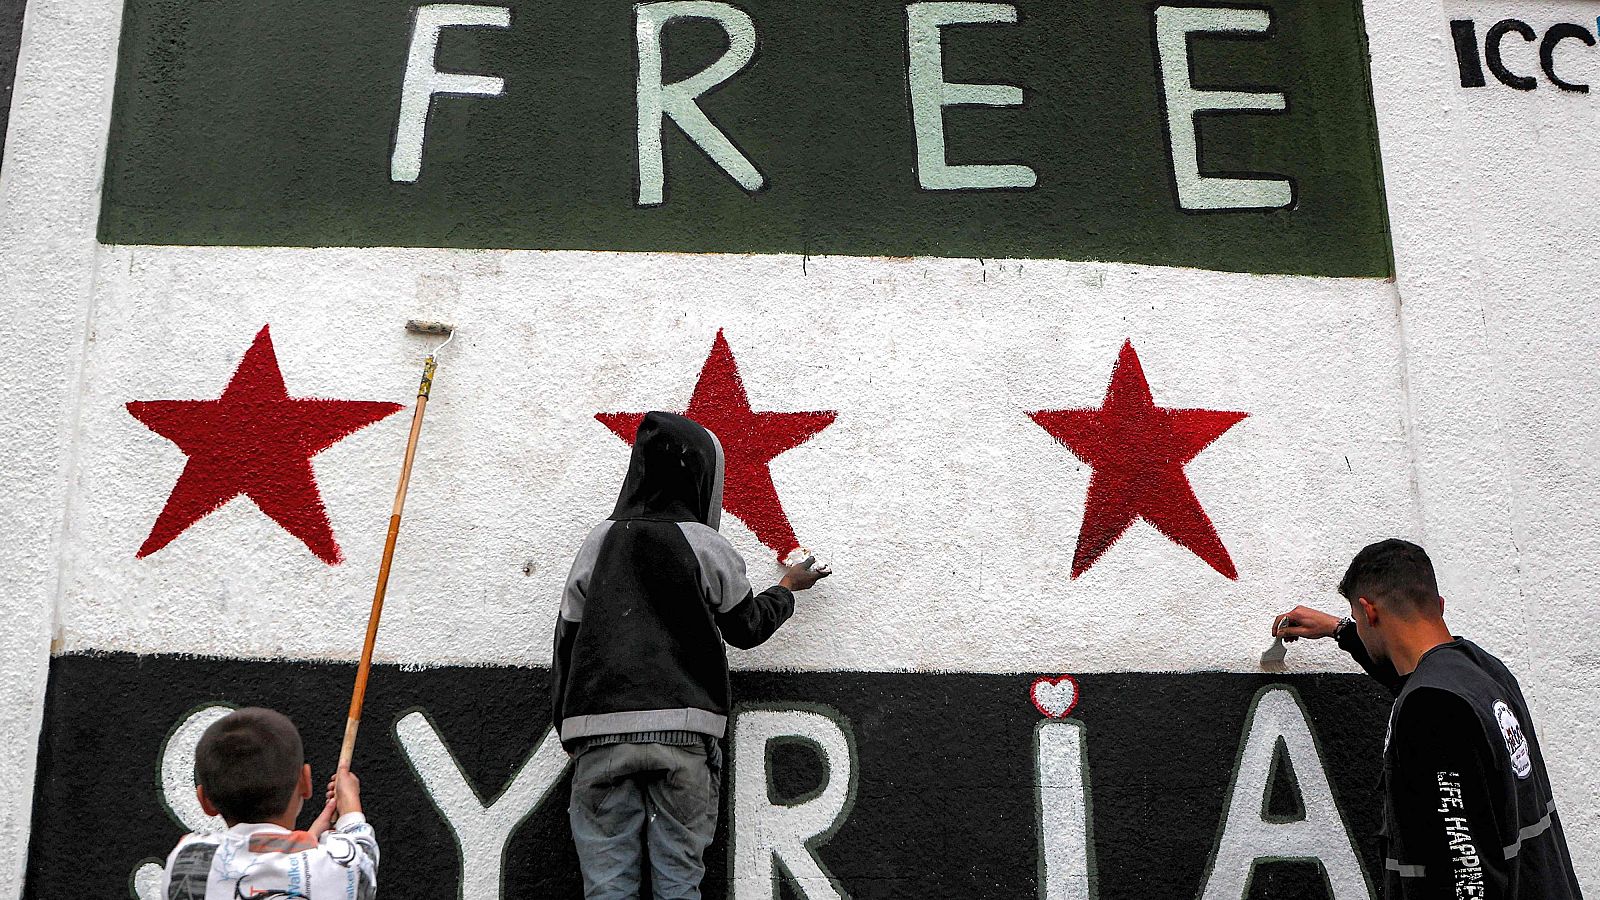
(249, 762)
(1394, 572)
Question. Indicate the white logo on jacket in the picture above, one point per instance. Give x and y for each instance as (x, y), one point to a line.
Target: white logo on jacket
(1516, 742)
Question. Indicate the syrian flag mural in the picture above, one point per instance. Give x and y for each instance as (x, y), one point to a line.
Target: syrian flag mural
(1061, 331)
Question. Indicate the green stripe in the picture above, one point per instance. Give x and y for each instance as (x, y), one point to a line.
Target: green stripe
(272, 123)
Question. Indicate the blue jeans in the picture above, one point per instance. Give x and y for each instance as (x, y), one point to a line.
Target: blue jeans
(630, 801)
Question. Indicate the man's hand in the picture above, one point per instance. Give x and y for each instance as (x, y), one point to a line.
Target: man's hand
(1304, 622)
(802, 575)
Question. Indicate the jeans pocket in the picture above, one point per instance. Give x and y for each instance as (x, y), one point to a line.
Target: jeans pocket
(714, 757)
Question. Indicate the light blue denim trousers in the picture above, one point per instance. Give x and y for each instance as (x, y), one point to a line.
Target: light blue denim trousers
(633, 803)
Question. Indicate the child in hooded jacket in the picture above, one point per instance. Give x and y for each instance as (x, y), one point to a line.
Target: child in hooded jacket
(641, 691)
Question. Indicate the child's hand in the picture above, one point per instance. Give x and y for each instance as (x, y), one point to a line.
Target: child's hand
(344, 792)
(323, 822)
(803, 574)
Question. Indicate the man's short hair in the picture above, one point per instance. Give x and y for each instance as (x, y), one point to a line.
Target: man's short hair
(249, 762)
(1392, 572)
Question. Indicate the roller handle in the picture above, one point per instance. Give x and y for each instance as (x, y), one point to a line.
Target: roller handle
(359, 695)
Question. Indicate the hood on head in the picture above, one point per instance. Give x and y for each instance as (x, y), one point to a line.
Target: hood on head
(675, 474)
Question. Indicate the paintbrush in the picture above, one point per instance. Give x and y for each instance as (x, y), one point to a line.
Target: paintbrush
(1272, 658)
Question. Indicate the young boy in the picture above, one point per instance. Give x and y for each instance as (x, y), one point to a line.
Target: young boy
(640, 677)
(250, 769)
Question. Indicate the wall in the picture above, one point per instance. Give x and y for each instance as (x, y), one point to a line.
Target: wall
(258, 241)
(47, 253)
(1494, 314)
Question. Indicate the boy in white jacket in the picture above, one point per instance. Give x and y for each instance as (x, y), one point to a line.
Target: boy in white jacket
(250, 769)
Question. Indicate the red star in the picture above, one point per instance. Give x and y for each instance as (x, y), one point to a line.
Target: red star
(750, 441)
(254, 440)
(1138, 451)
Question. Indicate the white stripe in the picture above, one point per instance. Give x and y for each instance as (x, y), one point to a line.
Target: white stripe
(1405, 871)
(1532, 831)
(629, 722)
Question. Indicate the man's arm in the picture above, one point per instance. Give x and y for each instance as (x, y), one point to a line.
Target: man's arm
(750, 623)
(1442, 784)
(1305, 622)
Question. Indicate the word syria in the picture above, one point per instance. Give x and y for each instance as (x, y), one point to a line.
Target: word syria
(1229, 137)
(839, 784)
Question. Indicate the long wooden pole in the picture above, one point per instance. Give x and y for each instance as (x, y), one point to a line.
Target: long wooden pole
(359, 695)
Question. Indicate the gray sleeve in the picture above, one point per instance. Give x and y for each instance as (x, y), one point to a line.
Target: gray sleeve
(723, 581)
(572, 597)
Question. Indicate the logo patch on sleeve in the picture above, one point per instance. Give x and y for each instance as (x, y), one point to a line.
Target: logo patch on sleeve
(1516, 742)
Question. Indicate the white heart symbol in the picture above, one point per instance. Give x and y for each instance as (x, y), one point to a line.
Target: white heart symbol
(1055, 697)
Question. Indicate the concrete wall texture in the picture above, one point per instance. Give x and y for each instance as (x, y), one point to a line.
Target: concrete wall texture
(1366, 299)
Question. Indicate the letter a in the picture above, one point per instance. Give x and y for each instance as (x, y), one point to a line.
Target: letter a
(1251, 835)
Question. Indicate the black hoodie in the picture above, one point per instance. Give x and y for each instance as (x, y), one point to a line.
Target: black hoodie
(652, 595)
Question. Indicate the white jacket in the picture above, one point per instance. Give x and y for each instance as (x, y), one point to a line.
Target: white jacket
(258, 861)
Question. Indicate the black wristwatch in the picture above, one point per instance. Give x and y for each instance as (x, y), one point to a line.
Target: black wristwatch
(1338, 630)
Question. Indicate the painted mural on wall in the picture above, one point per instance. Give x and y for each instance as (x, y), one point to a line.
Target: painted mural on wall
(906, 745)
(1227, 137)
(840, 784)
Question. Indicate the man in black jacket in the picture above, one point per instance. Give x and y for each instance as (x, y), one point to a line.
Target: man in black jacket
(1467, 807)
(640, 681)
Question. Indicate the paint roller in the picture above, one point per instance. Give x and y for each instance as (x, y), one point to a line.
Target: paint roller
(359, 694)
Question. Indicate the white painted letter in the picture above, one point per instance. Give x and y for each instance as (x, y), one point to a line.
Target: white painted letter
(423, 79)
(1250, 834)
(930, 94)
(177, 770)
(1065, 842)
(677, 100)
(177, 789)
(1174, 24)
(766, 835)
(482, 829)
